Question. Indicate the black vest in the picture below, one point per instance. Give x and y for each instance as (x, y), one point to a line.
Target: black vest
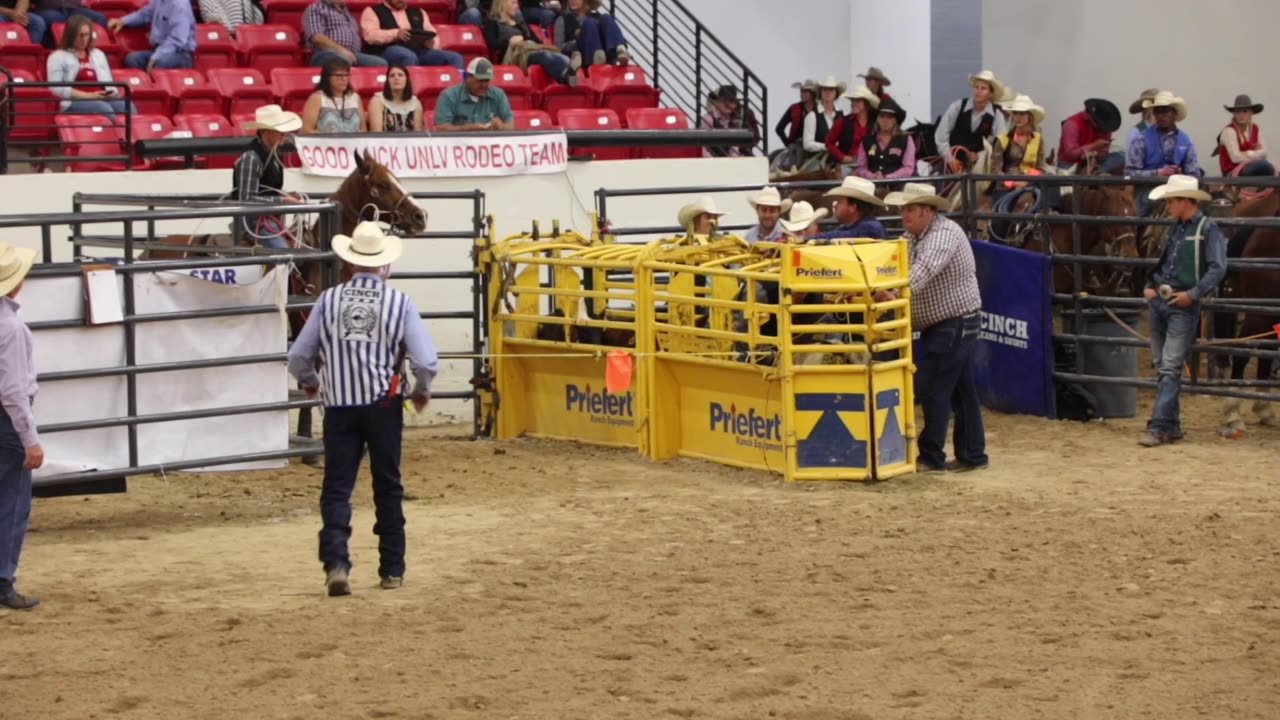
(820, 133)
(963, 135)
(272, 169)
(846, 133)
(387, 21)
(885, 161)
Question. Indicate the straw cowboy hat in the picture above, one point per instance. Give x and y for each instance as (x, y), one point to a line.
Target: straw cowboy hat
(862, 92)
(1164, 98)
(1104, 114)
(857, 188)
(274, 117)
(769, 196)
(15, 263)
(891, 106)
(875, 73)
(802, 216)
(368, 246)
(1180, 186)
(704, 205)
(1244, 102)
(1022, 103)
(831, 82)
(809, 85)
(1136, 106)
(917, 194)
(988, 77)
(1006, 97)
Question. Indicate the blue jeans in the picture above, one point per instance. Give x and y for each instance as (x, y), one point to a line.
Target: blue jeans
(944, 384)
(1173, 331)
(600, 33)
(401, 55)
(556, 65)
(170, 61)
(546, 17)
(36, 27)
(347, 432)
(320, 57)
(471, 16)
(15, 502)
(57, 15)
(110, 108)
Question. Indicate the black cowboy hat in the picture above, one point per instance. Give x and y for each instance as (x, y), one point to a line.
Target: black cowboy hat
(725, 92)
(888, 105)
(1103, 113)
(1244, 102)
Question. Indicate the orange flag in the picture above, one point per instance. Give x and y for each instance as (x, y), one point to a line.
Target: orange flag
(1276, 327)
(617, 371)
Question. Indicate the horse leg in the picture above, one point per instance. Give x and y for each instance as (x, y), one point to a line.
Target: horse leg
(1233, 425)
(1266, 409)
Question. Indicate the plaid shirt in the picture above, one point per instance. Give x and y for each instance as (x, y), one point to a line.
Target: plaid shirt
(332, 19)
(944, 278)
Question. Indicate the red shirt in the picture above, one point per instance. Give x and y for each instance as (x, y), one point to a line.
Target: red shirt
(1077, 132)
(88, 74)
(1246, 144)
(836, 134)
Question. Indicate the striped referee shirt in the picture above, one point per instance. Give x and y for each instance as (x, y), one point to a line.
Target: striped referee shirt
(355, 340)
(944, 277)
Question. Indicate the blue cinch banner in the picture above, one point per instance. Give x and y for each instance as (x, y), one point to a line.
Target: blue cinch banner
(1013, 363)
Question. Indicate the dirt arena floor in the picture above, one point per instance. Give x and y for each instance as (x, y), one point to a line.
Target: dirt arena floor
(1079, 577)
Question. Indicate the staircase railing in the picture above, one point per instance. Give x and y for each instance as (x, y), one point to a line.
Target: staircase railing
(687, 61)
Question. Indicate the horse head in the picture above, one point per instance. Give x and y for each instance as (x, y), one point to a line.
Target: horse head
(373, 186)
(922, 134)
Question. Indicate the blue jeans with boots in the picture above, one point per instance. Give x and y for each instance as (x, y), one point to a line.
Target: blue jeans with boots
(15, 504)
(1173, 331)
(944, 384)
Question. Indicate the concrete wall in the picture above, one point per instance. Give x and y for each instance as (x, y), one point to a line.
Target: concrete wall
(879, 29)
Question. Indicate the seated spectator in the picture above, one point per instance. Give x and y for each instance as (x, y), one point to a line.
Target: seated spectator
(334, 107)
(1240, 142)
(56, 11)
(507, 34)
(890, 152)
(395, 109)
(389, 30)
(231, 13)
(474, 103)
(540, 12)
(173, 34)
(725, 112)
(474, 12)
(332, 33)
(77, 60)
(19, 11)
(583, 30)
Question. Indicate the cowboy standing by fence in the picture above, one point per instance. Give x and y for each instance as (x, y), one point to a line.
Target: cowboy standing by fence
(20, 450)
(1192, 264)
(359, 332)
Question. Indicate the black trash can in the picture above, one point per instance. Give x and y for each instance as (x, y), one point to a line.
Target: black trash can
(1117, 361)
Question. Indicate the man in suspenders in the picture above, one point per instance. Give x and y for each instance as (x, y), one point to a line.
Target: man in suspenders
(1192, 264)
(350, 352)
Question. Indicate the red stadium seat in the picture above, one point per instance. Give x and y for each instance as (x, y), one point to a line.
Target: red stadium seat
(628, 88)
(215, 48)
(661, 119)
(429, 82)
(152, 127)
(465, 39)
(207, 126)
(439, 12)
(148, 98)
(134, 39)
(88, 136)
(191, 92)
(17, 52)
(102, 39)
(292, 86)
(515, 84)
(242, 89)
(238, 121)
(531, 120)
(31, 115)
(368, 81)
(267, 47)
(555, 97)
(594, 119)
(115, 7)
(286, 12)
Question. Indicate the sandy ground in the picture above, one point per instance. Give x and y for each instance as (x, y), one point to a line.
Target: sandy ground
(1079, 577)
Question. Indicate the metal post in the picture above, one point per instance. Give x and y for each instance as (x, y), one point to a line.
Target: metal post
(6, 101)
(46, 243)
(653, 7)
(764, 116)
(602, 204)
(697, 70)
(130, 348)
(1077, 279)
(479, 293)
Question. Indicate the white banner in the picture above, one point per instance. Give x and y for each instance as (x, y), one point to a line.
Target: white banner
(453, 155)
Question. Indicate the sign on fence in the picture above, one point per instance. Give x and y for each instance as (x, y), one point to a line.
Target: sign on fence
(1013, 363)
(454, 155)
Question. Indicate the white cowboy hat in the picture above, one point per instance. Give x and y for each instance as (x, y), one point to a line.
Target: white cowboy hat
(988, 77)
(1022, 103)
(802, 216)
(862, 92)
(1180, 186)
(704, 205)
(1006, 97)
(15, 263)
(274, 117)
(1164, 98)
(917, 194)
(830, 81)
(769, 195)
(368, 246)
(857, 188)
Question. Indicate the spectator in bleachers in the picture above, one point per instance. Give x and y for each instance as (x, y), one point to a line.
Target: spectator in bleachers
(1088, 134)
(539, 12)
(332, 33)
(389, 30)
(77, 60)
(19, 11)
(876, 81)
(818, 124)
(395, 109)
(726, 112)
(769, 206)
(506, 33)
(846, 134)
(790, 126)
(474, 103)
(583, 30)
(259, 174)
(231, 13)
(334, 107)
(56, 11)
(970, 120)
(890, 152)
(173, 34)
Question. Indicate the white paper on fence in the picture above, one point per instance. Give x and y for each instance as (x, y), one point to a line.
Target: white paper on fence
(457, 155)
(102, 291)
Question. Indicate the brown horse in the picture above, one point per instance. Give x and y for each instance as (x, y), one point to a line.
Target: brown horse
(1118, 241)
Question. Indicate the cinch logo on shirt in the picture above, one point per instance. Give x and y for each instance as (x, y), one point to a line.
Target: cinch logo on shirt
(601, 407)
(747, 428)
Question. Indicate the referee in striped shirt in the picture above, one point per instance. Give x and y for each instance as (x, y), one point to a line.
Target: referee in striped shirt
(351, 352)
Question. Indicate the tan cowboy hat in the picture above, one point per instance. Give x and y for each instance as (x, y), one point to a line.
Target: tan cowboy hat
(1180, 186)
(274, 117)
(1164, 98)
(802, 216)
(875, 73)
(857, 188)
(809, 85)
(1022, 103)
(831, 82)
(988, 77)
(368, 246)
(15, 263)
(1006, 97)
(770, 196)
(917, 194)
(704, 205)
(862, 92)
(1137, 105)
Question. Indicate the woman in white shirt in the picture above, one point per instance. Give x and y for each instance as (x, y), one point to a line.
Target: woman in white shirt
(334, 107)
(77, 60)
(818, 123)
(395, 109)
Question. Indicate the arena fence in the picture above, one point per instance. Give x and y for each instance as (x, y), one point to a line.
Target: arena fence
(31, 123)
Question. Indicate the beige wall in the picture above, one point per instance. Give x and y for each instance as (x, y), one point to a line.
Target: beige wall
(1061, 53)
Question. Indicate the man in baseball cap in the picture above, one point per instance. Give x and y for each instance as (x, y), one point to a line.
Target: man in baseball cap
(474, 103)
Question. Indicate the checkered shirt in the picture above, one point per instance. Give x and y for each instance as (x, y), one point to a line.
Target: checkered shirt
(944, 279)
(334, 21)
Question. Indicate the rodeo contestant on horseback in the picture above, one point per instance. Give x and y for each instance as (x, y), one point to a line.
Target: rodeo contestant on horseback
(813, 153)
(969, 121)
(1240, 142)
(1087, 134)
(359, 332)
(1192, 264)
(847, 131)
(1163, 149)
(889, 152)
(259, 173)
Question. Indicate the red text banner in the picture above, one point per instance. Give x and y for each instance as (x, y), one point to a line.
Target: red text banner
(438, 155)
